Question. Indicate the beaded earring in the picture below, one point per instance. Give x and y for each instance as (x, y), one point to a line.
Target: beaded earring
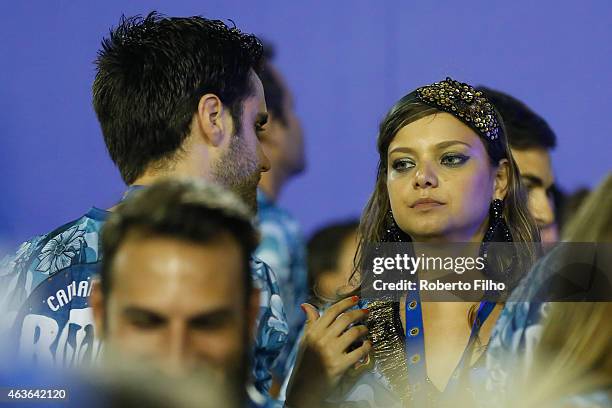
(498, 230)
(393, 233)
(499, 264)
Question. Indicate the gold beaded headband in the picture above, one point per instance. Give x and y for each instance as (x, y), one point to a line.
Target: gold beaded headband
(465, 103)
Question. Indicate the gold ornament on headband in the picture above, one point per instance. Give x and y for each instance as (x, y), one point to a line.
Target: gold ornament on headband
(465, 103)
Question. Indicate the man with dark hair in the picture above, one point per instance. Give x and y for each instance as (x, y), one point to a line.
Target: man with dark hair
(283, 140)
(175, 282)
(174, 97)
(282, 246)
(182, 96)
(531, 140)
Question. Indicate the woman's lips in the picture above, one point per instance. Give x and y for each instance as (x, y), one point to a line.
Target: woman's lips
(426, 203)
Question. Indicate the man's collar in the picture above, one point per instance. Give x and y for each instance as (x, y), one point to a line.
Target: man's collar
(262, 199)
(131, 190)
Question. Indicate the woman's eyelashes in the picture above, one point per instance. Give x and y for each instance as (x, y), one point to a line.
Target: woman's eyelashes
(454, 159)
(402, 164)
(447, 160)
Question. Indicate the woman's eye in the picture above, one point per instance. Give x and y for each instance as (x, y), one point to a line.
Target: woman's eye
(402, 164)
(453, 160)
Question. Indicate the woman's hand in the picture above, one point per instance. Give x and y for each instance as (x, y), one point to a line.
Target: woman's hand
(326, 352)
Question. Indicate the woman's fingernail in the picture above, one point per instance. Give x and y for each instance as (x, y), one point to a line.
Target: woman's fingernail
(355, 298)
(303, 307)
(366, 311)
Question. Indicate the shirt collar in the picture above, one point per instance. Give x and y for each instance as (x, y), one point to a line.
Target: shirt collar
(262, 199)
(131, 190)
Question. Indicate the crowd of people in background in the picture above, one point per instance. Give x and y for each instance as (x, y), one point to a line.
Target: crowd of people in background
(200, 285)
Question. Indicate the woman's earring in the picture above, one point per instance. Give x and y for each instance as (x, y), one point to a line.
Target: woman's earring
(498, 230)
(501, 260)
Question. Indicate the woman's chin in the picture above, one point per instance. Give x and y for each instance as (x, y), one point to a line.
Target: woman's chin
(426, 228)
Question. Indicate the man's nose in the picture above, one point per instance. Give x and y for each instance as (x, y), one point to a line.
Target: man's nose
(264, 162)
(177, 352)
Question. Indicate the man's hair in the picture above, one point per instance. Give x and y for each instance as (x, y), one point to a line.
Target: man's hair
(325, 245)
(151, 74)
(275, 96)
(525, 129)
(188, 210)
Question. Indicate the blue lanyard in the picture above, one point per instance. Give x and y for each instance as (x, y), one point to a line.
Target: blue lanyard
(415, 347)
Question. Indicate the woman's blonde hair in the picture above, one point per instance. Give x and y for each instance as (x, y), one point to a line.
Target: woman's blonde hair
(575, 352)
(593, 221)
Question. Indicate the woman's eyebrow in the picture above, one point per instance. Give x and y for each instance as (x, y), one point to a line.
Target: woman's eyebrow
(401, 149)
(441, 145)
(449, 143)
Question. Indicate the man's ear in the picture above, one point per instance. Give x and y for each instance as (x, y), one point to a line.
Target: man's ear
(502, 178)
(96, 301)
(253, 311)
(211, 121)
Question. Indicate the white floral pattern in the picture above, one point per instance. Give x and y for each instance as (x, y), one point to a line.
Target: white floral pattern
(77, 244)
(277, 320)
(283, 249)
(57, 254)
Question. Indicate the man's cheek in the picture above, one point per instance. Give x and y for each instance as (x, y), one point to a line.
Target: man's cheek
(127, 337)
(220, 346)
(532, 200)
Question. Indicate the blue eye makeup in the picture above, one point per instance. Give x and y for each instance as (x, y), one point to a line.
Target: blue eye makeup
(454, 159)
(402, 164)
(447, 160)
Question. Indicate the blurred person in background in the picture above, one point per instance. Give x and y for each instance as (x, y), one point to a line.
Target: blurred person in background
(126, 384)
(531, 140)
(120, 386)
(331, 251)
(559, 354)
(569, 205)
(572, 365)
(331, 254)
(282, 245)
(175, 284)
(174, 97)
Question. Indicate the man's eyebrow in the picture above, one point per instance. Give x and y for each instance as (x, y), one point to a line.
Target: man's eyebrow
(535, 180)
(137, 312)
(212, 316)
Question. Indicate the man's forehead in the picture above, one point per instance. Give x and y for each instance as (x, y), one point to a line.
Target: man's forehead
(256, 85)
(535, 163)
(256, 102)
(159, 256)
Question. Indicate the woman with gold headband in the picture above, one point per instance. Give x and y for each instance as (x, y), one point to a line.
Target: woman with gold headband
(445, 175)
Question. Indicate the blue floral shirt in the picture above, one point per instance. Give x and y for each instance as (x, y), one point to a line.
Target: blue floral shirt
(282, 247)
(44, 289)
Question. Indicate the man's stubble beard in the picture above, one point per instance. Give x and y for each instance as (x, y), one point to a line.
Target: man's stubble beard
(238, 171)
